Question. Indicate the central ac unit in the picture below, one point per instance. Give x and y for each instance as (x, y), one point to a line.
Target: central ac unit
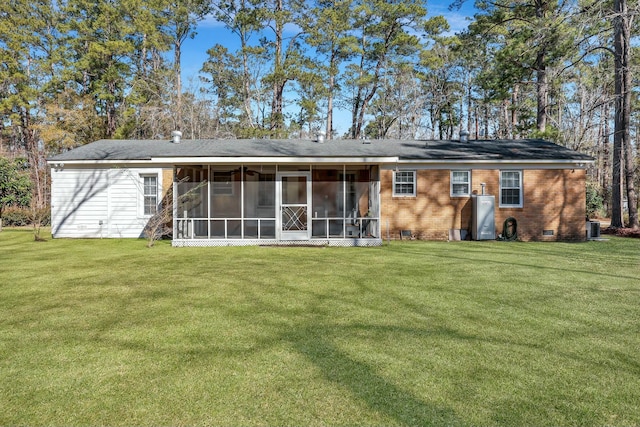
(593, 229)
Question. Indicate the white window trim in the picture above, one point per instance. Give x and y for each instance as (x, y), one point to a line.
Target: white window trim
(415, 184)
(468, 193)
(157, 176)
(521, 188)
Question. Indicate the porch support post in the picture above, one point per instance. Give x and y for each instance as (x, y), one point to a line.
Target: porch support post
(174, 201)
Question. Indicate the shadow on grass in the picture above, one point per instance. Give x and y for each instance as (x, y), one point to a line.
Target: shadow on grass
(365, 384)
(508, 261)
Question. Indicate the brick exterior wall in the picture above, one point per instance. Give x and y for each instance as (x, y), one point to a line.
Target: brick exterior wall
(167, 181)
(554, 200)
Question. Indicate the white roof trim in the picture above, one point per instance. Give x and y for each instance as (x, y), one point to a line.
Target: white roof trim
(389, 162)
(489, 164)
(249, 160)
(475, 162)
(230, 160)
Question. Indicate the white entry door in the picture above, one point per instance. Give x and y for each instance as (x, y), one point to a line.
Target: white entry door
(294, 202)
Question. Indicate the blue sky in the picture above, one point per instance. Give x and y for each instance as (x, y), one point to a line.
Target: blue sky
(210, 32)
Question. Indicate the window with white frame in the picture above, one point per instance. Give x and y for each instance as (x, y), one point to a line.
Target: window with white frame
(149, 194)
(460, 183)
(511, 189)
(404, 183)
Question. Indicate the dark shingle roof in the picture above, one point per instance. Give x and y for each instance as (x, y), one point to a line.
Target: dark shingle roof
(432, 150)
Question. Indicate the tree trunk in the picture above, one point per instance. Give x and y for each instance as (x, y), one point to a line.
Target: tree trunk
(246, 89)
(621, 136)
(177, 53)
(355, 113)
(542, 86)
(477, 122)
(364, 106)
(514, 111)
(486, 121)
(606, 154)
(542, 93)
(34, 159)
(332, 83)
(277, 120)
(505, 128)
(632, 197)
(469, 109)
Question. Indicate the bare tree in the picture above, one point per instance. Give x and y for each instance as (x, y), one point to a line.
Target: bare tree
(622, 150)
(161, 223)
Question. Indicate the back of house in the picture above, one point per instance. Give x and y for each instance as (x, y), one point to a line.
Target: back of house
(341, 192)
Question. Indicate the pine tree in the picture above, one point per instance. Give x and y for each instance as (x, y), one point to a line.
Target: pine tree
(533, 38)
(386, 34)
(328, 30)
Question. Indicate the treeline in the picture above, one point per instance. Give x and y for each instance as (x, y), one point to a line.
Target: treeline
(73, 71)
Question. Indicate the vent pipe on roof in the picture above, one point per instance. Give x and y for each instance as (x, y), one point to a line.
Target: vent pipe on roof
(320, 136)
(175, 136)
(464, 136)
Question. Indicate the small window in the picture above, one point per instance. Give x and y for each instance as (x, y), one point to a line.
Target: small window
(404, 183)
(222, 183)
(511, 189)
(460, 183)
(149, 194)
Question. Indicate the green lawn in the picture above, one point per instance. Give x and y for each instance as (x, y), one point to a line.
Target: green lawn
(109, 332)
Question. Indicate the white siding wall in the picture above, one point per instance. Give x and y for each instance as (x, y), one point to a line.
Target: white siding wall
(99, 202)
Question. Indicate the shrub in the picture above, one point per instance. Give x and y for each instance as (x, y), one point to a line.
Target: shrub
(595, 203)
(16, 217)
(20, 217)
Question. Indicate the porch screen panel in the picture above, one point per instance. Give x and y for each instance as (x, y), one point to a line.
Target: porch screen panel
(226, 191)
(192, 201)
(259, 201)
(191, 190)
(357, 195)
(326, 186)
(260, 192)
(325, 211)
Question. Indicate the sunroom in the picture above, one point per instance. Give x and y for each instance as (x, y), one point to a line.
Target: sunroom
(273, 204)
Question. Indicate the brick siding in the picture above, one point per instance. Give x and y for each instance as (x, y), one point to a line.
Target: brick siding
(554, 201)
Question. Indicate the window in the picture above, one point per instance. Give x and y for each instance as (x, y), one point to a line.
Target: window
(149, 194)
(404, 183)
(460, 183)
(222, 183)
(511, 189)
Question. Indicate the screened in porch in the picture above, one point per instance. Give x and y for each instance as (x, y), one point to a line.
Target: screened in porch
(276, 204)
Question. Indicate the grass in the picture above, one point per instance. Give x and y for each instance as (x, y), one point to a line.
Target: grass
(109, 332)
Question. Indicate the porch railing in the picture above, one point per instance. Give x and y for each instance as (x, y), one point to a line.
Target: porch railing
(225, 228)
(344, 228)
(265, 228)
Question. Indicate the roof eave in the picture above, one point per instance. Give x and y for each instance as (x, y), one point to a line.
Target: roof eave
(576, 163)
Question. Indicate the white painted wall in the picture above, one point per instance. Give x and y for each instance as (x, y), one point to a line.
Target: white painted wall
(95, 202)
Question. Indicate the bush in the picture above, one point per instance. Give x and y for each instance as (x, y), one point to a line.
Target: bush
(20, 217)
(595, 203)
(16, 217)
